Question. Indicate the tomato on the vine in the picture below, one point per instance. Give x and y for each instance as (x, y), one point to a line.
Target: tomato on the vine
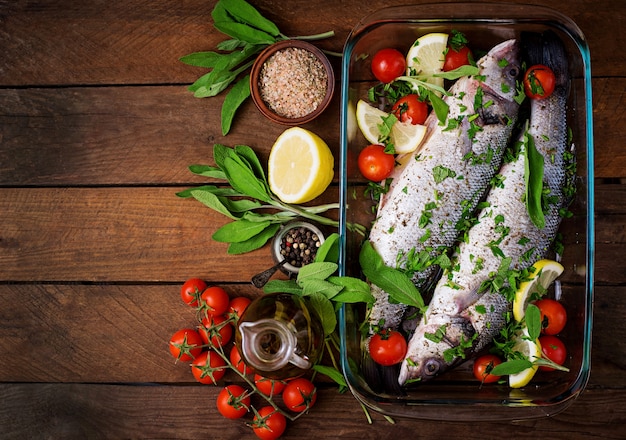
(237, 361)
(237, 306)
(268, 423)
(214, 301)
(410, 108)
(456, 58)
(185, 344)
(387, 347)
(388, 64)
(375, 164)
(483, 366)
(233, 402)
(215, 332)
(539, 82)
(553, 316)
(208, 367)
(269, 387)
(299, 394)
(191, 290)
(554, 349)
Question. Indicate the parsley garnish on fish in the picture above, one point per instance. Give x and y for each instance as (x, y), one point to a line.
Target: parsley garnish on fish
(440, 173)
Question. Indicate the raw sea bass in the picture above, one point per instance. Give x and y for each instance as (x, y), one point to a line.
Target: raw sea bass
(437, 187)
(459, 316)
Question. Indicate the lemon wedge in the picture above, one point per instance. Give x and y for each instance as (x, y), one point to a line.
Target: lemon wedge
(532, 350)
(543, 273)
(300, 166)
(405, 136)
(426, 57)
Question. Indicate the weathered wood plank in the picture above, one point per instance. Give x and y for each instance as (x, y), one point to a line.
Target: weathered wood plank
(117, 411)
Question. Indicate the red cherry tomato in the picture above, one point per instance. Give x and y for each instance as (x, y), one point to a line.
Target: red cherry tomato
(191, 291)
(456, 58)
(214, 301)
(213, 331)
(539, 82)
(237, 361)
(237, 306)
(553, 316)
(388, 64)
(375, 164)
(409, 108)
(269, 387)
(299, 394)
(185, 344)
(554, 349)
(208, 367)
(483, 366)
(388, 347)
(233, 402)
(268, 423)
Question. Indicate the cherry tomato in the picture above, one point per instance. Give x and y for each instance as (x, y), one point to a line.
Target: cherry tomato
(214, 301)
(483, 366)
(208, 367)
(456, 58)
(237, 306)
(237, 361)
(269, 387)
(186, 344)
(388, 347)
(268, 423)
(539, 82)
(375, 164)
(299, 394)
(233, 402)
(553, 316)
(191, 291)
(388, 64)
(409, 108)
(554, 349)
(213, 331)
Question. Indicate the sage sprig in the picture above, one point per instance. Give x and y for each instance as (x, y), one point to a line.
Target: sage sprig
(250, 33)
(256, 213)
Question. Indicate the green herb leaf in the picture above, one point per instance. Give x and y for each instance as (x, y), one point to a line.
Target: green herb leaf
(237, 95)
(533, 177)
(533, 321)
(242, 179)
(459, 72)
(255, 242)
(354, 290)
(244, 32)
(325, 310)
(511, 367)
(209, 199)
(247, 154)
(207, 171)
(332, 373)
(318, 271)
(238, 231)
(317, 286)
(244, 12)
(202, 59)
(329, 250)
(283, 286)
(439, 106)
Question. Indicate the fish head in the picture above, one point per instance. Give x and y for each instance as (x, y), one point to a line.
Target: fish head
(500, 69)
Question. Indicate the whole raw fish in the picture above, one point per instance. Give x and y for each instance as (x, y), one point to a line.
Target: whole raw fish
(437, 188)
(459, 315)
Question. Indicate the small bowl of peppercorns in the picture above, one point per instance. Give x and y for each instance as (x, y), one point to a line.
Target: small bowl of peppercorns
(292, 82)
(296, 243)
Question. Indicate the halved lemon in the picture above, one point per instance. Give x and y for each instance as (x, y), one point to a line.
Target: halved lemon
(532, 350)
(543, 273)
(300, 166)
(426, 57)
(405, 137)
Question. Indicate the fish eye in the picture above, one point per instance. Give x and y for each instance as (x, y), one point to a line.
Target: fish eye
(513, 72)
(431, 367)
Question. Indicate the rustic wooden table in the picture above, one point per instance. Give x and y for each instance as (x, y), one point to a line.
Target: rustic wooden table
(96, 132)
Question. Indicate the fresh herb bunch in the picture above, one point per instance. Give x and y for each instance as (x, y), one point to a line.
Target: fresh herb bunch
(256, 212)
(250, 33)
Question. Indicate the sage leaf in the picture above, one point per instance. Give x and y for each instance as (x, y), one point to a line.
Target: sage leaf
(325, 311)
(439, 106)
(331, 373)
(511, 367)
(201, 59)
(323, 287)
(318, 271)
(244, 32)
(246, 153)
(329, 250)
(459, 72)
(243, 206)
(246, 13)
(533, 167)
(212, 84)
(232, 44)
(235, 97)
(283, 286)
(255, 242)
(207, 171)
(242, 179)
(238, 231)
(212, 201)
(354, 290)
(533, 321)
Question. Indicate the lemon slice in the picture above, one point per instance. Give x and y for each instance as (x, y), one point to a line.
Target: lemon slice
(426, 57)
(545, 272)
(405, 137)
(532, 350)
(300, 166)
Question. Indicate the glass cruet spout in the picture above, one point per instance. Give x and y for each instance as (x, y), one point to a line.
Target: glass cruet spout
(279, 336)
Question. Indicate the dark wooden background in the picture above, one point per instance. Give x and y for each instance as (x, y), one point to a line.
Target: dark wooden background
(96, 132)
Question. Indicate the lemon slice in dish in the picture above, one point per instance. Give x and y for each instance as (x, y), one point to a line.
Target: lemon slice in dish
(532, 350)
(300, 166)
(543, 273)
(426, 57)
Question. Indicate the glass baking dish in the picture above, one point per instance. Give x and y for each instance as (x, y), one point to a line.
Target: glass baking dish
(456, 395)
